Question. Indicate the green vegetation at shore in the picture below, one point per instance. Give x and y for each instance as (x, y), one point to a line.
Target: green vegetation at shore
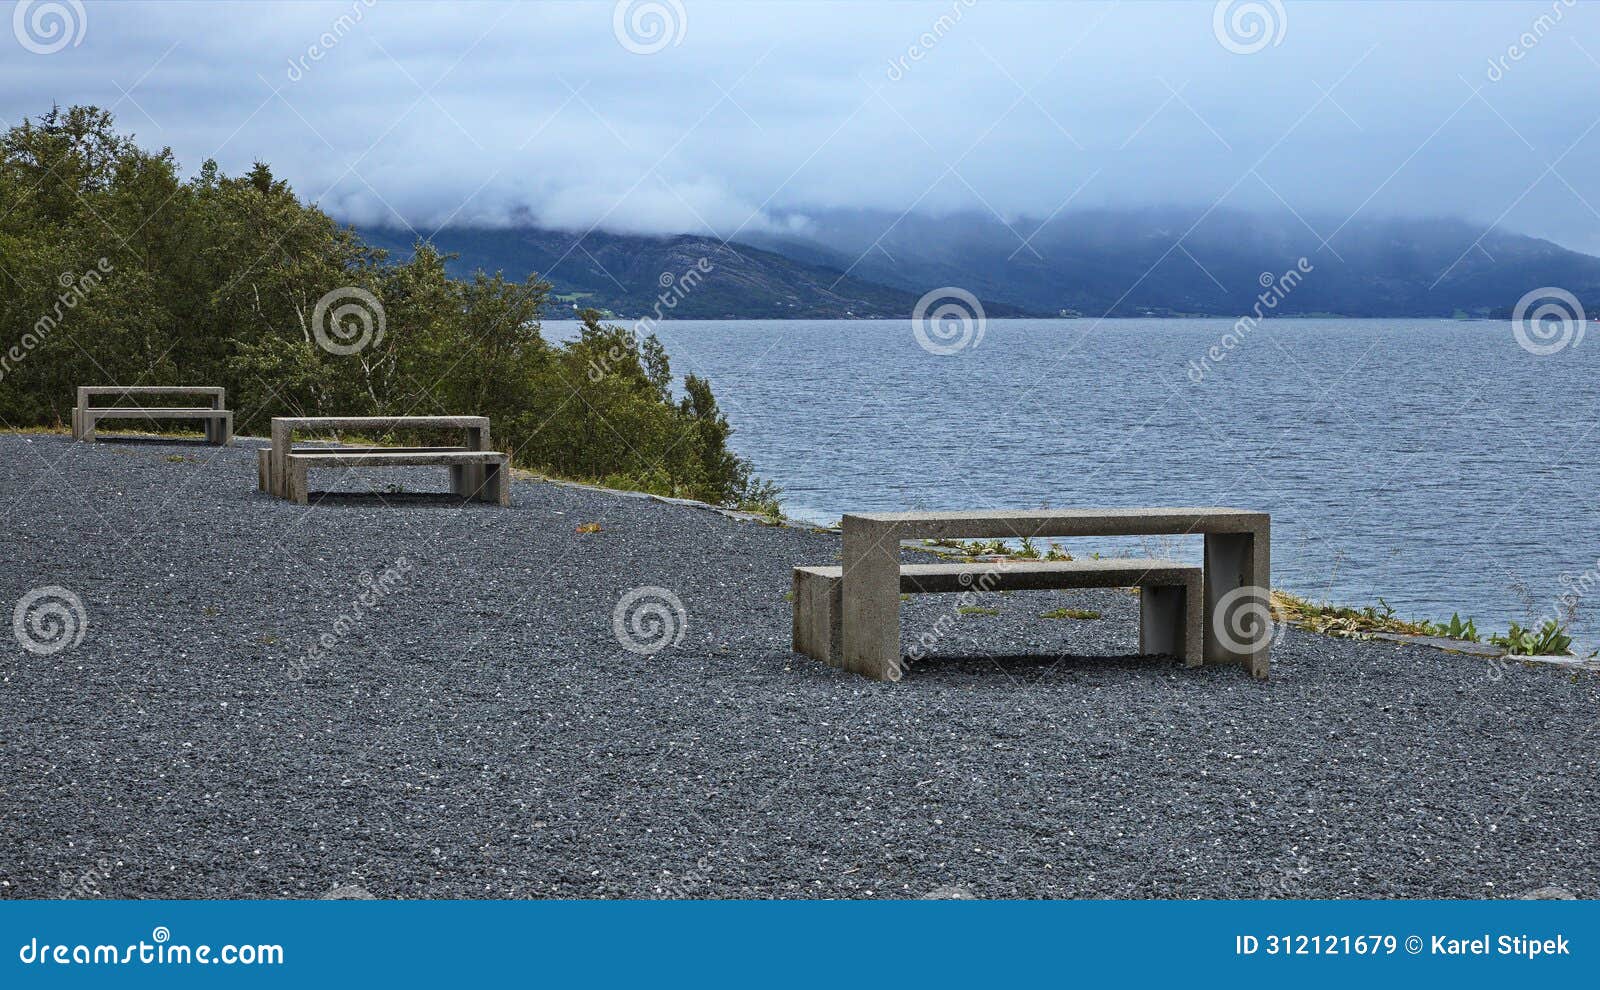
(1549, 638)
(1360, 623)
(121, 273)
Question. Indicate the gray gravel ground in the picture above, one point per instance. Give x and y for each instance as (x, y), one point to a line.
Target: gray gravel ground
(480, 732)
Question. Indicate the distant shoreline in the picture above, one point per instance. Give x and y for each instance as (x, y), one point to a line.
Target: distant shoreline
(1034, 319)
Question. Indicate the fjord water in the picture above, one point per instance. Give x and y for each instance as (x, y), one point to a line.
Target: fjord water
(1435, 464)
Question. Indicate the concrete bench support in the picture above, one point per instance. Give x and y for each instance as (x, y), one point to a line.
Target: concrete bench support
(1237, 569)
(468, 475)
(218, 422)
(1171, 611)
(479, 475)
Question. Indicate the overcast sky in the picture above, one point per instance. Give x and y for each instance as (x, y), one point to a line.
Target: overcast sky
(689, 115)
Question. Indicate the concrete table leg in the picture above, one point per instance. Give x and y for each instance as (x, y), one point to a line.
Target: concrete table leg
(277, 465)
(871, 599)
(477, 439)
(1238, 576)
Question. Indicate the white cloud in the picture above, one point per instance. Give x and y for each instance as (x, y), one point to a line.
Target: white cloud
(490, 113)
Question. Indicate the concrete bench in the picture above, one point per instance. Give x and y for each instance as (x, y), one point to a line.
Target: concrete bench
(1171, 613)
(218, 422)
(480, 475)
(273, 466)
(1237, 571)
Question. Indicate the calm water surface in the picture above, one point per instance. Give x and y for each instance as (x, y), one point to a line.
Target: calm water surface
(1434, 464)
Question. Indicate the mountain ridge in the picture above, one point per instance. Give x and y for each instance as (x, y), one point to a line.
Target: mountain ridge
(1145, 262)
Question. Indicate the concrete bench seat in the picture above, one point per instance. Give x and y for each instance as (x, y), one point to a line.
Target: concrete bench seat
(1171, 602)
(475, 471)
(218, 422)
(481, 475)
(264, 456)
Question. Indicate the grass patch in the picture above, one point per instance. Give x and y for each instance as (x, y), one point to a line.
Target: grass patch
(976, 610)
(1070, 613)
